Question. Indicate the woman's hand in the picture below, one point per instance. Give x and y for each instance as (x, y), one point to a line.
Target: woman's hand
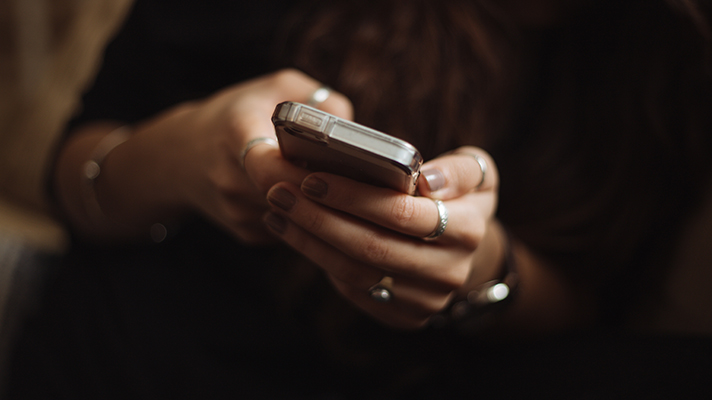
(219, 186)
(359, 233)
(189, 159)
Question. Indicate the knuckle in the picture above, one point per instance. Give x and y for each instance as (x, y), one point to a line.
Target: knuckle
(404, 210)
(286, 76)
(374, 249)
(465, 172)
(315, 224)
(472, 238)
(468, 170)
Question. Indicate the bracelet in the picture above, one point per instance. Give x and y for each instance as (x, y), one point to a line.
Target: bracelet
(91, 171)
(471, 314)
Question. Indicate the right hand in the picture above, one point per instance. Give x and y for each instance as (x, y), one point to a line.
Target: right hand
(358, 234)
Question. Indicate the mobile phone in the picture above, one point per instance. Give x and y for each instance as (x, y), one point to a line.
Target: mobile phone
(319, 141)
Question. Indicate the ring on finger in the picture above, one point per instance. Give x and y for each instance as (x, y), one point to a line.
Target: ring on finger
(381, 291)
(443, 216)
(254, 142)
(319, 96)
(483, 167)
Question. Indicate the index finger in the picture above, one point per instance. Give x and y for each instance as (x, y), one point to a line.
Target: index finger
(285, 85)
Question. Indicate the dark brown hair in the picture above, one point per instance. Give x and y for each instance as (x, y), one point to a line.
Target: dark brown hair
(401, 60)
(599, 122)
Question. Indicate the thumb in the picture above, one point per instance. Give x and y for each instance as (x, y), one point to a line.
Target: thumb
(454, 174)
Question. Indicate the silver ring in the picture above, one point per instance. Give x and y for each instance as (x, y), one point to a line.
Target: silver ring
(319, 96)
(443, 216)
(483, 167)
(381, 292)
(254, 142)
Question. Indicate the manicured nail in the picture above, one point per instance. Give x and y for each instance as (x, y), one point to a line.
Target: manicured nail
(281, 198)
(434, 178)
(275, 222)
(314, 187)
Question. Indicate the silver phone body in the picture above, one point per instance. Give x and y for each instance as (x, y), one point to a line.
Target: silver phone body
(319, 141)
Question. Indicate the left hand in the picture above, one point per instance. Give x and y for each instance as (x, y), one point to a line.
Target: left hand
(358, 233)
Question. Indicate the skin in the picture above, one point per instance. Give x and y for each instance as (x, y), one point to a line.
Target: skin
(187, 161)
(358, 233)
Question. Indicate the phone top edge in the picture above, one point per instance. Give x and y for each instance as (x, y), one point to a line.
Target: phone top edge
(373, 141)
(309, 119)
(395, 151)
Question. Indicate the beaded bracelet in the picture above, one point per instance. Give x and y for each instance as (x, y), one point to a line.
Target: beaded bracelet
(472, 313)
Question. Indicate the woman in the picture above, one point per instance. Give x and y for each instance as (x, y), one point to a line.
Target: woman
(555, 123)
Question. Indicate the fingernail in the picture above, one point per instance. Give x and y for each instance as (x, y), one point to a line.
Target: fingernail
(275, 222)
(314, 187)
(281, 198)
(434, 178)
